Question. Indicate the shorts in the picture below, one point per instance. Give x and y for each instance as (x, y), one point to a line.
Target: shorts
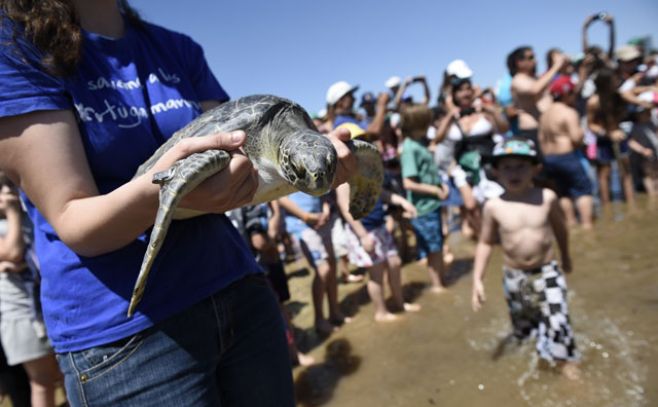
(568, 173)
(339, 237)
(605, 153)
(316, 244)
(649, 167)
(384, 247)
(537, 301)
(429, 233)
(23, 340)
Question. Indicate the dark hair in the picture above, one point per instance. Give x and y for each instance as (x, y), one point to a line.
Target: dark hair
(612, 106)
(515, 56)
(53, 27)
(456, 86)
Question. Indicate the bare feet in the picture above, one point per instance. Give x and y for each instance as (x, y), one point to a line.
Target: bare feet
(351, 278)
(338, 318)
(448, 257)
(409, 307)
(571, 371)
(437, 289)
(386, 317)
(304, 360)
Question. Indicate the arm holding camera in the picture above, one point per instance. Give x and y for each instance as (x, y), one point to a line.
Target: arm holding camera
(407, 82)
(606, 18)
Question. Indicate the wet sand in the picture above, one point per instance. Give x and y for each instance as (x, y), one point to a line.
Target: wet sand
(447, 355)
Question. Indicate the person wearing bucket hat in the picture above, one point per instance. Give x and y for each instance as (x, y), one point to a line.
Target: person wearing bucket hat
(525, 220)
(518, 147)
(560, 136)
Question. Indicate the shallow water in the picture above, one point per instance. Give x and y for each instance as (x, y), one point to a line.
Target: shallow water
(447, 355)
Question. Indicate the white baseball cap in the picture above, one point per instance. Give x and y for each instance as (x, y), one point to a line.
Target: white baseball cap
(338, 90)
(393, 81)
(459, 69)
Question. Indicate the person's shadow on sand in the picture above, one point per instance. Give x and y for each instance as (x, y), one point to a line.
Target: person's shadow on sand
(316, 384)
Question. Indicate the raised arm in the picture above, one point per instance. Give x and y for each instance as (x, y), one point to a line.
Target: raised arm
(426, 89)
(611, 36)
(444, 125)
(524, 85)
(588, 21)
(377, 124)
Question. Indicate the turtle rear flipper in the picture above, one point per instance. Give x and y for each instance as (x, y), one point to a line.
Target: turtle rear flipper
(366, 183)
(174, 183)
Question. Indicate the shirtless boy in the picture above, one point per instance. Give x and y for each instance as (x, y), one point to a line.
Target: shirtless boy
(560, 136)
(526, 219)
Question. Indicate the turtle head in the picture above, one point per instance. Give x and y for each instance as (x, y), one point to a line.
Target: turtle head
(308, 161)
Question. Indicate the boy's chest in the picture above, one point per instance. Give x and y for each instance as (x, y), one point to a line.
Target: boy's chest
(512, 216)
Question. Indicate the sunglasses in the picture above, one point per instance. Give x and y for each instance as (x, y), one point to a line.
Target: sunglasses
(530, 57)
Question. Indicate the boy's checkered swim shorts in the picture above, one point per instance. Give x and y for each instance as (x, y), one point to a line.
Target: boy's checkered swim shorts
(537, 301)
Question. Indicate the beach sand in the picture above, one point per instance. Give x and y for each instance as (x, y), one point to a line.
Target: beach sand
(449, 356)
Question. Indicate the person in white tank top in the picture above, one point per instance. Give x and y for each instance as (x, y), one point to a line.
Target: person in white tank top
(470, 125)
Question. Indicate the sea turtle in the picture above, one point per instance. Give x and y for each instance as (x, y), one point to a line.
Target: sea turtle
(284, 145)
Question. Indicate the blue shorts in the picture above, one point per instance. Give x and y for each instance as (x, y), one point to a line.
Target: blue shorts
(569, 175)
(429, 233)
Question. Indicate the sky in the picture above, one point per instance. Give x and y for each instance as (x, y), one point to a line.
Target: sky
(298, 48)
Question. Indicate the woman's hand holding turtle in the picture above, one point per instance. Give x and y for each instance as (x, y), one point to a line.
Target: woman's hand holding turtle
(230, 188)
(346, 165)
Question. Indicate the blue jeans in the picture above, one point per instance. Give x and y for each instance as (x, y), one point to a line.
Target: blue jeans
(228, 350)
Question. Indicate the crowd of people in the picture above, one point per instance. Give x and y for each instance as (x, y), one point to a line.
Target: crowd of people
(515, 165)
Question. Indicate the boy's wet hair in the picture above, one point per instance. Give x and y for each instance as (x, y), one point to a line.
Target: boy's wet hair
(415, 119)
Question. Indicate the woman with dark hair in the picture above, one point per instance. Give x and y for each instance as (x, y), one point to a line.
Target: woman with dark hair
(466, 135)
(605, 110)
(88, 92)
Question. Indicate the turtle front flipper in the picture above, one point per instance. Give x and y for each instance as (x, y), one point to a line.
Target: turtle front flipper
(174, 183)
(366, 183)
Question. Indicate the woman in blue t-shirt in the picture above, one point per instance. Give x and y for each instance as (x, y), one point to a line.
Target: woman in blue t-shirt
(88, 91)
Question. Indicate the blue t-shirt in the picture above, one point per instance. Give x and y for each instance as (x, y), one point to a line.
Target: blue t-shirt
(129, 95)
(376, 217)
(307, 203)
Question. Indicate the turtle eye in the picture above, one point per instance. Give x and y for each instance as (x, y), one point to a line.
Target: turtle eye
(297, 168)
